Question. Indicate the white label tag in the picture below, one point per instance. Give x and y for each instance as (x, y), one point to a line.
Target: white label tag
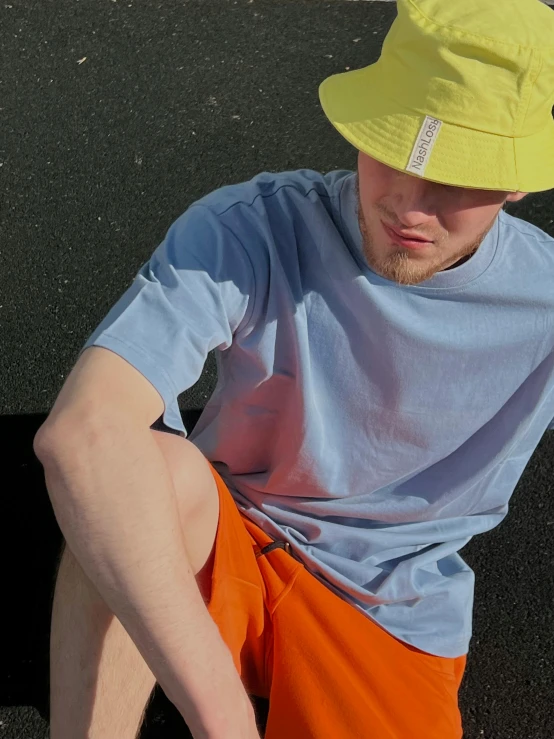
(421, 153)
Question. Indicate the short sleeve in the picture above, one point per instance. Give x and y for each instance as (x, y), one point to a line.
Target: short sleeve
(191, 297)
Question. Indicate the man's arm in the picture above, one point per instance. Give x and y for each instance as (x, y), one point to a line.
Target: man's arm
(113, 498)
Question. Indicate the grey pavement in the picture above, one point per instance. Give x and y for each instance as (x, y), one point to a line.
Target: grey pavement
(114, 116)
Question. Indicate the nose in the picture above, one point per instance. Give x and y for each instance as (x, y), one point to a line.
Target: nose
(414, 203)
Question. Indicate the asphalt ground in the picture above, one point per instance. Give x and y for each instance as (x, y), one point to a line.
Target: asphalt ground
(114, 117)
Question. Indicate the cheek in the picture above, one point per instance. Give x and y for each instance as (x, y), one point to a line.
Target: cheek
(372, 175)
(366, 207)
(375, 195)
(369, 195)
(466, 224)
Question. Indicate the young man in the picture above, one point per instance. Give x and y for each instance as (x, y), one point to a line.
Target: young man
(379, 396)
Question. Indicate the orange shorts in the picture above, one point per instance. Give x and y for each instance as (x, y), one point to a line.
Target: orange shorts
(328, 670)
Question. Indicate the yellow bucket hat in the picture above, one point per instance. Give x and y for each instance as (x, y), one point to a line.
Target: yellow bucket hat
(462, 94)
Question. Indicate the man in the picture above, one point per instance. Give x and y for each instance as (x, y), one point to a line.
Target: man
(385, 347)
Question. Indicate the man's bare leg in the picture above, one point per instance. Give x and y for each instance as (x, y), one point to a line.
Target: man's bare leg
(99, 683)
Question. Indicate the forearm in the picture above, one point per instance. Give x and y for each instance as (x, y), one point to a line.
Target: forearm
(113, 498)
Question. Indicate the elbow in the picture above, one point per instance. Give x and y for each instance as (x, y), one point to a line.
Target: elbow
(43, 442)
(62, 447)
(49, 444)
(57, 438)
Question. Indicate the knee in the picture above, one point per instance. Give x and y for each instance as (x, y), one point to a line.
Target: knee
(197, 501)
(190, 472)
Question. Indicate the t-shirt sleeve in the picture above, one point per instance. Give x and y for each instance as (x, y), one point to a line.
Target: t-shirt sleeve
(191, 297)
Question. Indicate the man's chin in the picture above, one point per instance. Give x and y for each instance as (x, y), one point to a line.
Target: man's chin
(402, 271)
(406, 279)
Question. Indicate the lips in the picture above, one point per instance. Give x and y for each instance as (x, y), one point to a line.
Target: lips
(409, 235)
(413, 243)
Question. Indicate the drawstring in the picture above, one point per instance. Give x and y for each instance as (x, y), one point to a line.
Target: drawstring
(275, 545)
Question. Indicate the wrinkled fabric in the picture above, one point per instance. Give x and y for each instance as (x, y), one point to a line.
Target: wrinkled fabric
(374, 426)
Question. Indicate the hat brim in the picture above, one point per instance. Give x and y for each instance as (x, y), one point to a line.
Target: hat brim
(357, 105)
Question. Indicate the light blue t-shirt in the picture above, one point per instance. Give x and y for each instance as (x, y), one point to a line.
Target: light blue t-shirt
(376, 427)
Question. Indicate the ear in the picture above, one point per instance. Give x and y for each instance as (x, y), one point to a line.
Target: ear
(515, 197)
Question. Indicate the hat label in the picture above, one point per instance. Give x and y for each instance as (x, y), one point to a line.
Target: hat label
(426, 138)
